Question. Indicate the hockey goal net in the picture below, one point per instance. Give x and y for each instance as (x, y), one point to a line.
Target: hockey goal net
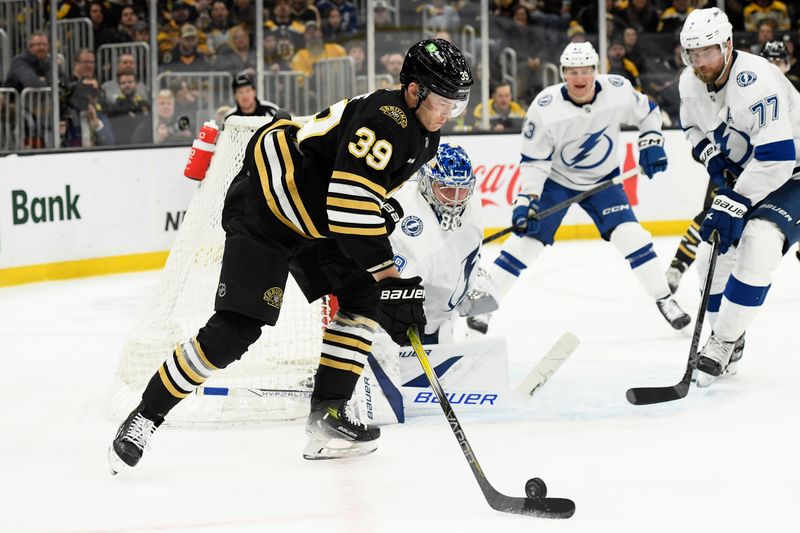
(284, 357)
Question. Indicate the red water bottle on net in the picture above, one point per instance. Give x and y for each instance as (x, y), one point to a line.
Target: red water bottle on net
(202, 149)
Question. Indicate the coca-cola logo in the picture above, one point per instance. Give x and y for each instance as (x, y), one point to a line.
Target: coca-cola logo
(498, 184)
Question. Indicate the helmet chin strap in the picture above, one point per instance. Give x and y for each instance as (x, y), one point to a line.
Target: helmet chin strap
(422, 93)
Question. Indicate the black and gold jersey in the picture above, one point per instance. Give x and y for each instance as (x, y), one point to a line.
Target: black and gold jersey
(329, 177)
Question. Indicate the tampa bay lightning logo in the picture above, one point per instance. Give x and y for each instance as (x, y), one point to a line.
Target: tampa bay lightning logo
(400, 262)
(734, 144)
(588, 152)
(745, 78)
(545, 100)
(616, 81)
(412, 226)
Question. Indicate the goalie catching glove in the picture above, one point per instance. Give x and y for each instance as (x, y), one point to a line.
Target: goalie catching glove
(400, 306)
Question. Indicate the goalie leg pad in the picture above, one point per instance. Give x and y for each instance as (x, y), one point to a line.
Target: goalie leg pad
(636, 245)
(760, 251)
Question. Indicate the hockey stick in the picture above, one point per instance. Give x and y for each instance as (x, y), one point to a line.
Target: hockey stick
(569, 201)
(548, 364)
(254, 392)
(536, 503)
(650, 395)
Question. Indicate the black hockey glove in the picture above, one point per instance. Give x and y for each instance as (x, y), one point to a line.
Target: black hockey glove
(392, 213)
(400, 306)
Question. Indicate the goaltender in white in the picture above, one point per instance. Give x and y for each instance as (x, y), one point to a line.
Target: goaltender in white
(436, 232)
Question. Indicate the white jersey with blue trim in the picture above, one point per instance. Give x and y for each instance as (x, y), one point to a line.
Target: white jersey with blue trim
(447, 261)
(576, 145)
(754, 119)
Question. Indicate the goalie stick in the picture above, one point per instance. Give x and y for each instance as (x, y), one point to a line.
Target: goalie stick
(536, 503)
(253, 391)
(548, 364)
(651, 395)
(569, 201)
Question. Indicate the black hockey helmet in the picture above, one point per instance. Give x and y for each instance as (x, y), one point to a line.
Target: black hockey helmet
(439, 67)
(775, 51)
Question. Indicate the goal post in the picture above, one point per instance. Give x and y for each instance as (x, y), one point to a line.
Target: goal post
(284, 357)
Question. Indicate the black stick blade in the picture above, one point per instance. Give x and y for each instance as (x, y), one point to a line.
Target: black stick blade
(651, 395)
(538, 507)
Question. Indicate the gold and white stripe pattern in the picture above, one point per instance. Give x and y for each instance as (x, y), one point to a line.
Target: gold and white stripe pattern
(354, 205)
(276, 172)
(185, 369)
(347, 342)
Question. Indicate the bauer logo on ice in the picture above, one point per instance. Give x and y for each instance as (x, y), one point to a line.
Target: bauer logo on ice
(274, 297)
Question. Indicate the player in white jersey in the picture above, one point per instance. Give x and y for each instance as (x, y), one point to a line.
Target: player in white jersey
(569, 144)
(737, 109)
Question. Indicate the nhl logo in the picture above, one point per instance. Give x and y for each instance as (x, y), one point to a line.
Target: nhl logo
(274, 297)
(222, 290)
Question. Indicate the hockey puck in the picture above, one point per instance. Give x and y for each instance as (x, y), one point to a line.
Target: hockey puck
(535, 488)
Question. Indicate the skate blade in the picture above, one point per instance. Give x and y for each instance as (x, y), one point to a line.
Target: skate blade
(115, 464)
(337, 449)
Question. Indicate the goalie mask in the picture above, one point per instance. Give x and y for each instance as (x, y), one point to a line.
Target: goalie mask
(447, 183)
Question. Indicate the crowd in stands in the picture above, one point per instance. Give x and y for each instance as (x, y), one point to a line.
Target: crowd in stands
(219, 36)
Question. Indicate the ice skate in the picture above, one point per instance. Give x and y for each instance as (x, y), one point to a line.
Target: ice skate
(333, 433)
(704, 379)
(714, 357)
(675, 273)
(670, 309)
(133, 437)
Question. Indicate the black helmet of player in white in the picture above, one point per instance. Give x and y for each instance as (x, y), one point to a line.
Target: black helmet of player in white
(439, 68)
(776, 52)
(447, 183)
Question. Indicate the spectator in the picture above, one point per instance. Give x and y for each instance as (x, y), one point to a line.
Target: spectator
(236, 55)
(141, 33)
(622, 66)
(247, 103)
(576, 33)
(346, 9)
(286, 51)
(127, 110)
(766, 33)
(221, 112)
(394, 64)
(303, 12)
(315, 50)
(385, 31)
(218, 26)
(332, 29)
(282, 22)
(187, 57)
(84, 121)
(641, 15)
(127, 20)
(777, 53)
(170, 128)
(504, 113)
(442, 14)
(587, 16)
(766, 10)
(531, 51)
(171, 33)
(672, 18)
(186, 99)
(31, 68)
(126, 64)
(359, 56)
(272, 60)
(243, 12)
(630, 39)
(100, 30)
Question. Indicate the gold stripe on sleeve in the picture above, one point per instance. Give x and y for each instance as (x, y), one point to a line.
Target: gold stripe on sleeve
(298, 203)
(364, 182)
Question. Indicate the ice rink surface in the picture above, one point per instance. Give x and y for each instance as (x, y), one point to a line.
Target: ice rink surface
(725, 458)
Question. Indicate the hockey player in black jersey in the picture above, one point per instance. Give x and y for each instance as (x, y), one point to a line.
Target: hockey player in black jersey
(309, 201)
